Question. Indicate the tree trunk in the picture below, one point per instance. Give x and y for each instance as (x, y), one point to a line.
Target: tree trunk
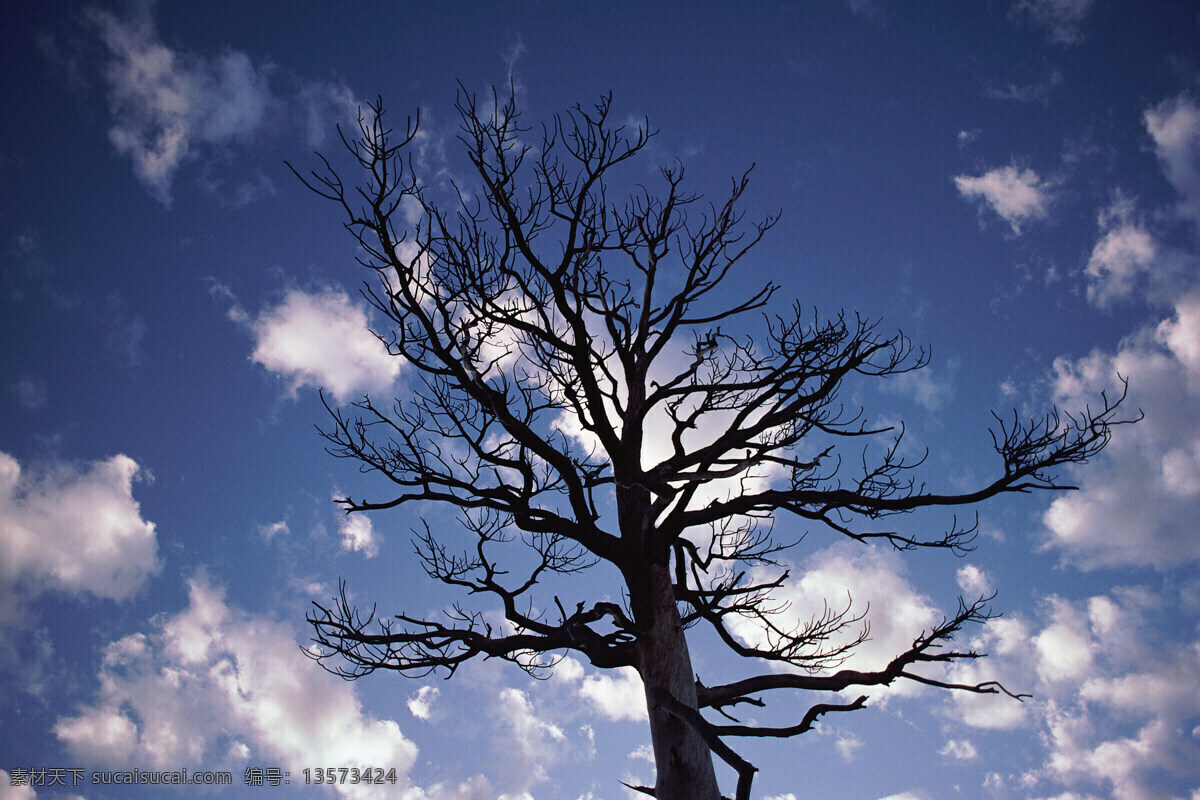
(683, 760)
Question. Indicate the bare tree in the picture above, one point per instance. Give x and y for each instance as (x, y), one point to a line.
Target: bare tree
(589, 383)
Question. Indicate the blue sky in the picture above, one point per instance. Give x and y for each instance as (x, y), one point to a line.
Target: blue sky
(1015, 185)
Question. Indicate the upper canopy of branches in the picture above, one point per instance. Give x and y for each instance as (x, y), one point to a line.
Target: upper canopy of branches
(591, 380)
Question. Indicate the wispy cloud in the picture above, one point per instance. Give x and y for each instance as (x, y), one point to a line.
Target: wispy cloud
(1062, 19)
(170, 107)
(924, 387)
(960, 750)
(870, 10)
(166, 104)
(1027, 93)
(30, 392)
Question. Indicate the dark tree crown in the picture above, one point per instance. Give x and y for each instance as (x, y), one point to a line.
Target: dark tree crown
(591, 381)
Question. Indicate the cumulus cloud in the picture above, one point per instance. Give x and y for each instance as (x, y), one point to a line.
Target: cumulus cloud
(421, 703)
(1139, 503)
(1064, 649)
(1117, 259)
(11, 791)
(1174, 125)
(323, 339)
(1129, 260)
(358, 536)
(212, 686)
(532, 744)
(1062, 19)
(1015, 195)
(974, 582)
(1128, 731)
(616, 694)
(1008, 642)
(873, 578)
(1114, 700)
(75, 528)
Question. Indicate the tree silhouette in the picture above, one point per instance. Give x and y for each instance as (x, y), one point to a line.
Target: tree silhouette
(591, 384)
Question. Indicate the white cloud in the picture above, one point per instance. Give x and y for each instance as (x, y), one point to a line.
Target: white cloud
(532, 744)
(1063, 19)
(476, 787)
(211, 685)
(323, 339)
(1181, 336)
(357, 535)
(1130, 261)
(274, 529)
(75, 528)
(644, 752)
(420, 704)
(1123, 253)
(1008, 643)
(874, 579)
(1175, 127)
(974, 582)
(165, 103)
(1113, 699)
(616, 694)
(1015, 195)
(1064, 648)
(18, 792)
(1140, 500)
(904, 796)
(923, 386)
(322, 102)
(848, 745)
